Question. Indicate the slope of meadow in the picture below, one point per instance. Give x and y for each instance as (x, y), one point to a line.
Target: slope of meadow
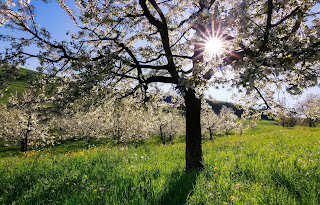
(18, 85)
(267, 165)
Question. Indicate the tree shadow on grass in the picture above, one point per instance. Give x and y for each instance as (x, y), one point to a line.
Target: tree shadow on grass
(281, 180)
(6, 151)
(179, 188)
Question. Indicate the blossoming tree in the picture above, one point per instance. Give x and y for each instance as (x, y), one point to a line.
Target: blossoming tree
(21, 122)
(210, 121)
(166, 117)
(269, 43)
(309, 108)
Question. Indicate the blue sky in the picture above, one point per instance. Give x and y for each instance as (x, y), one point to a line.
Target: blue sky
(54, 19)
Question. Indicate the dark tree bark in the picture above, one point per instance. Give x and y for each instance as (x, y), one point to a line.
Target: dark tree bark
(88, 142)
(211, 135)
(23, 145)
(193, 132)
(24, 142)
(117, 138)
(162, 136)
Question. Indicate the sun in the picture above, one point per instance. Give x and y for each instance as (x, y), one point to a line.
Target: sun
(214, 46)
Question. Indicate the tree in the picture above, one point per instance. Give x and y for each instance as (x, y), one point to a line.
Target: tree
(81, 125)
(21, 122)
(210, 121)
(309, 109)
(229, 118)
(166, 117)
(286, 117)
(127, 119)
(268, 43)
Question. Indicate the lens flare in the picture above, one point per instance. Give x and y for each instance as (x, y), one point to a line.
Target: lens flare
(214, 46)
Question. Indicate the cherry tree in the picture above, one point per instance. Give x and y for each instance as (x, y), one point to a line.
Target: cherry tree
(309, 109)
(210, 121)
(128, 120)
(286, 117)
(166, 117)
(228, 118)
(81, 125)
(116, 118)
(269, 43)
(222, 123)
(241, 127)
(21, 122)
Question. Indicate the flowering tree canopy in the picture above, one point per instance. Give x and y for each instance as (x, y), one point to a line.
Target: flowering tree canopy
(309, 108)
(21, 120)
(269, 43)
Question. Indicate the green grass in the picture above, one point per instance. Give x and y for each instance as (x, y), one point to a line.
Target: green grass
(18, 85)
(269, 165)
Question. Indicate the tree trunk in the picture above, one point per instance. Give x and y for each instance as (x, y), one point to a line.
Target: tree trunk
(23, 145)
(162, 137)
(118, 136)
(24, 142)
(193, 132)
(88, 142)
(210, 132)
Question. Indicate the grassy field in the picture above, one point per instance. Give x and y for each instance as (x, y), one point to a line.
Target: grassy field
(267, 165)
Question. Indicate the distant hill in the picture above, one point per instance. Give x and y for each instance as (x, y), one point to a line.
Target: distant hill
(18, 85)
(217, 105)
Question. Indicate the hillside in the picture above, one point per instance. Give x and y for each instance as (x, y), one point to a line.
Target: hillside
(217, 105)
(19, 84)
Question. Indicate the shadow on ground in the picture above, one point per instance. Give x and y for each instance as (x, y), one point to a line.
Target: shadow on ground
(179, 189)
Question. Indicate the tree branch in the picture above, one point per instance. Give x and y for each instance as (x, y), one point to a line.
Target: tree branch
(196, 14)
(268, 107)
(161, 79)
(147, 13)
(286, 17)
(154, 4)
(268, 27)
(163, 29)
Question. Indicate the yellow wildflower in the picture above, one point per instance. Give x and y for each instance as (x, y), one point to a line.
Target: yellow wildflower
(233, 198)
(225, 203)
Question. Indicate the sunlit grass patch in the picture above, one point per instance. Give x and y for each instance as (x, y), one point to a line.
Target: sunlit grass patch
(268, 165)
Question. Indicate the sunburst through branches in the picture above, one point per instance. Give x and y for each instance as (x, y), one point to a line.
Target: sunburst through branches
(211, 44)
